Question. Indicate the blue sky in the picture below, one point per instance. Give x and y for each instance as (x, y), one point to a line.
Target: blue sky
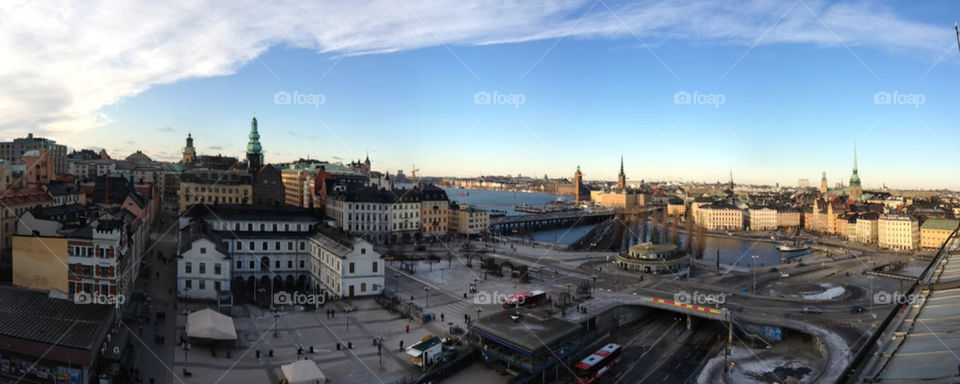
(797, 90)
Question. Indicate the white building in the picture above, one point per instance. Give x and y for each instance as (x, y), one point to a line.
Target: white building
(276, 249)
(203, 268)
(362, 212)
(348, 266)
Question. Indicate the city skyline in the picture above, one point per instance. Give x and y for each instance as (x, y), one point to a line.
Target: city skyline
(775, 92)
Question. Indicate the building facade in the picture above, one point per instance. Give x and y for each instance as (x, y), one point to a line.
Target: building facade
(896, 231)
(935, 232)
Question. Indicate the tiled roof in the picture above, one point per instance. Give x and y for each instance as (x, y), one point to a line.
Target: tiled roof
(32, 315)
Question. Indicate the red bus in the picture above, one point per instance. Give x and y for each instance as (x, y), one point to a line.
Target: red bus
(525, 299)
(593, 367)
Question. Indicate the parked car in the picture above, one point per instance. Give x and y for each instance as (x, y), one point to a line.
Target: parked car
(857, 309)
(774, 269)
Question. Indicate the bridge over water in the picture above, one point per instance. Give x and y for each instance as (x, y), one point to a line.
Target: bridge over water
(532, 222)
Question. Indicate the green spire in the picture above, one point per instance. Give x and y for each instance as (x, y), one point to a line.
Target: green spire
(253, 147)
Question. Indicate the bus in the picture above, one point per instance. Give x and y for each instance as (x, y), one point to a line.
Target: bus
(593, 367)
(525, 299)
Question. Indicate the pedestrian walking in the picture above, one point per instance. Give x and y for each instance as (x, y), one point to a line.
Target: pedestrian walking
(408, 328)
(401, 345)
(441, 317)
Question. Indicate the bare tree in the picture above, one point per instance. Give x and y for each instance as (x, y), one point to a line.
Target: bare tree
(688, 226)
(674, 231)
(701, 239)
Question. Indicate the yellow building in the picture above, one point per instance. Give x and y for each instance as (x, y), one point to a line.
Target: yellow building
(434, 211)
(466, 220)
(896, 231)
(677, 209)
(298, 187)
(718, 216)
(934, 232)
(618, 198)
(866, 228)
(787, 218)
(762, 219)
(215, 187)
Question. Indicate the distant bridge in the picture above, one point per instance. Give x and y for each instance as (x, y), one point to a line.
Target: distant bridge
(522, 223)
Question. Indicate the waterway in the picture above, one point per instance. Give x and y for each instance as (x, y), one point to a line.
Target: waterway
(733, 250)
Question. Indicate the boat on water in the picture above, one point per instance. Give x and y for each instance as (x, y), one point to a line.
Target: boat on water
(793, 247)
(527, 208)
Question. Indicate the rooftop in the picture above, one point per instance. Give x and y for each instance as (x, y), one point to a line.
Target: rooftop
(527, 333)
(942, 224)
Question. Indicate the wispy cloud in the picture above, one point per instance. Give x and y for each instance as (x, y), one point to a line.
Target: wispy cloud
(215, 148)
(64, 61)
(166, 129)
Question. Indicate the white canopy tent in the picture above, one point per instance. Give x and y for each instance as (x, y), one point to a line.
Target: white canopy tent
(302, 372)
(211, 325)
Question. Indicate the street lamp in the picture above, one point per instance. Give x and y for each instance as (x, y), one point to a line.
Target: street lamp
(186, 348)
(396, 280)
(347, 312)
(478, 309)
(276, 315)
(427, 290)
(754, 257)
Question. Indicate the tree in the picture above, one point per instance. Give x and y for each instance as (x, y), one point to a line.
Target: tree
(701, 239)
(674, 231)
(688, 226)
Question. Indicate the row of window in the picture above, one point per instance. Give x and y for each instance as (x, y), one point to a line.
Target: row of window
(188, 268)
(264, 246)
(188, 284)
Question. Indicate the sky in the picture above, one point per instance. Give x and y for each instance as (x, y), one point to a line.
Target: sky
(683, 90)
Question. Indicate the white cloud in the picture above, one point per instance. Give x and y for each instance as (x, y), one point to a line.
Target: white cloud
(63, 61)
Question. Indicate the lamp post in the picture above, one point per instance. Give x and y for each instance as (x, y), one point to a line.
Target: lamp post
(478, 309)
(276, 316)
(347, 311)
(754, 257)
(186, 348)
(427, 290)
(396, 280)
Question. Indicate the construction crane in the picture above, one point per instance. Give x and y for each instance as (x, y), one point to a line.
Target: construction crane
(413, 174)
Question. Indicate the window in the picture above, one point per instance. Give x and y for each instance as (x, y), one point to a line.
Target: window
(374, 267)
(363, 251)
(252, 247)
(203, 268)
(289, 245)
(252, 264)
(352, 269)
(188, 267)
(276, 245)
(216, 268)
(188, 284)
(203, 251)
(216, 286)
(289, 264)
(202, 285)
(363, 287)
(239, 245)
(302, 245)
(301, 264)
(276, 264)
(266, 247)
(239, 264)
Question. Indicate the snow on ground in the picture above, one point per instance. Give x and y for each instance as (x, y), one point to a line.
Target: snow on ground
(831, 291)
